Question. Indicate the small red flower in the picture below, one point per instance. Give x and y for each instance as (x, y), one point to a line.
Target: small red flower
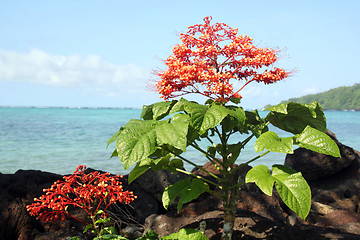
(90, 192)
(210, 58)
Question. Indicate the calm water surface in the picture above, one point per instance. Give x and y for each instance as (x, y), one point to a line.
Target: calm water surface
(60, 139)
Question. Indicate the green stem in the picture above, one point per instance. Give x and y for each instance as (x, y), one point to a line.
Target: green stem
(212, 160)
(93, 218)
(237, 185)
(224, 138)
(197, 166)
(211, 141)
(243, 143)
(248, 162)
(198, 177)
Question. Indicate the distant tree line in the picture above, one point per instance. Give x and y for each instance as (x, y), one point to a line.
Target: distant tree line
(341, 98)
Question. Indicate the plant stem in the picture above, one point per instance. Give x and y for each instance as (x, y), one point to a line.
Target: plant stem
(197, 166)
(198, 177)
(94, 224)
(212, 160)
(230, 205)
(211, 141)
(248, 162)
(243, 143)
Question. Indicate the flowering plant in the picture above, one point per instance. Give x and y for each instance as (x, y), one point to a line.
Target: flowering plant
(93, 192)
(205, 60)
(212, 60)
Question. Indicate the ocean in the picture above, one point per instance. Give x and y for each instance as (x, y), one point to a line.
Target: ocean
(59, 139)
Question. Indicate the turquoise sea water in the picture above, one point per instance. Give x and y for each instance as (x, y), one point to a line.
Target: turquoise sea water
(59, 139)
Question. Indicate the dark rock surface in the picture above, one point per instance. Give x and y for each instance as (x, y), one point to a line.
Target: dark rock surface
(335, 212)
(316, 165)
(155, 182)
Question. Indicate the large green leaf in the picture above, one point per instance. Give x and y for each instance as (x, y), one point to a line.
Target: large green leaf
(238, 113)
(261, 176)
(186, 234)
(272, 142)
(291, 186)
(157, 110)
(235, 119)
(187, 189)
(202, 117)
(175, 132)
(186, 106)
(293, 189)
(137, 171)
(156, 164)
(213, 117)
(194, 109)
(254, 123)
(294, 117)
(317, 141)
(113, 138)
(137, 141)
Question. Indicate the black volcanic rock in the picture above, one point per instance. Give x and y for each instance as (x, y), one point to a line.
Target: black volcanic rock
(335, 212)
(315, 165)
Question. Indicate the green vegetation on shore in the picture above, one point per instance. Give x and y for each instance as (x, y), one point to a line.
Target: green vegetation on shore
(341, 98)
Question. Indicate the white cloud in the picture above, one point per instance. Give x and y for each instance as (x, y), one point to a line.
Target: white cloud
(90, 72)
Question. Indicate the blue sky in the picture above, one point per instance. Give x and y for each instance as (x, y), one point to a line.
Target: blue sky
(102, 53)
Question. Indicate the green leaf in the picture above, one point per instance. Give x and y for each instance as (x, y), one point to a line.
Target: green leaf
(195, 110)
(291, 186)
(293, 189)
(213, 117)
(187, 190)
(235, 150)
(235, 100)
(137, 141)
(202, 117)
(235, 120)
(111, 230)
(254, 123)
(186, 106)
(176, 163)
(317, 141)
(115, 153)
(149, 235)
(113, 138)
(100, 211)
(147, 113)
(272, 142)
(174, 133)
(209, 101)
(294, 117)
(137, 172)
(101, 220)
(74, 238)
(160, 163)
(239, 114)
(261, 176)
(157, 110)
(111, 237)
(186, 234)
(89, 226)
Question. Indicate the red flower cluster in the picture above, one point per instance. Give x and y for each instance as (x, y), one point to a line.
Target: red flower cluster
(209, 58)
(89, 192)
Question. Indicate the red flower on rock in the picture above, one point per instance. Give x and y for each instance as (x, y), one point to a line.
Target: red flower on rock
(90, 192)
(210, 57)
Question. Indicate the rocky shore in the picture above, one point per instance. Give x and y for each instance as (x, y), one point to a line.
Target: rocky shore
(335, 211)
